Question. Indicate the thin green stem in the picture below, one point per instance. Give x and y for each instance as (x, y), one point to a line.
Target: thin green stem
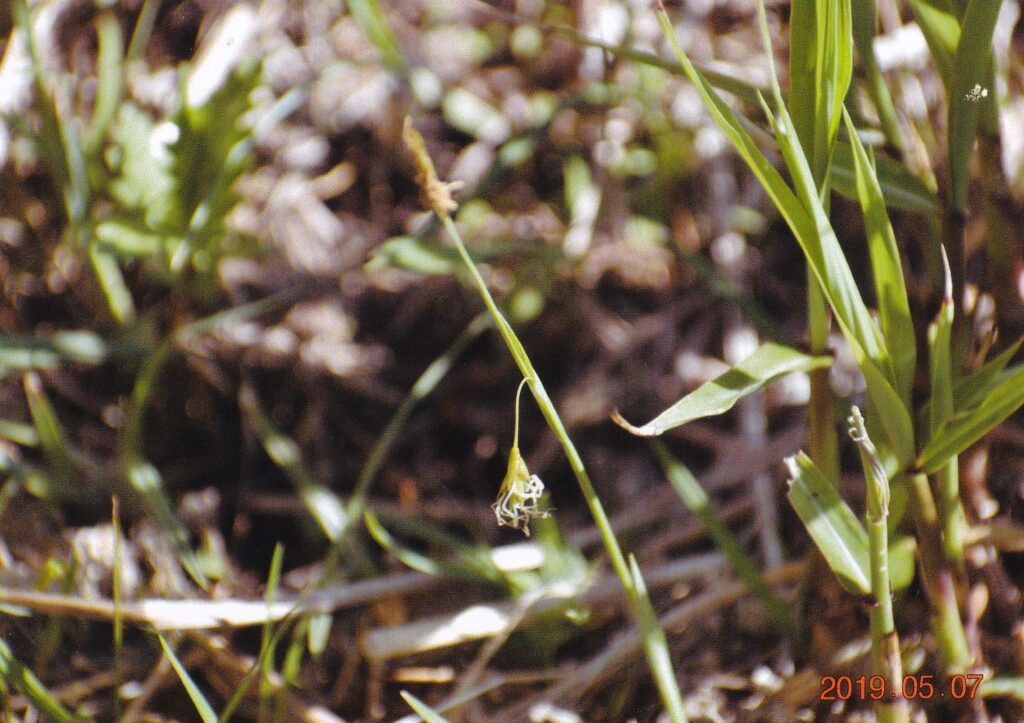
(655, 643)
(885, 644)
(938, 579)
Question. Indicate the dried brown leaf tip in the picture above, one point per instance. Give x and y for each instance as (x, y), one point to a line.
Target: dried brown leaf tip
(436, 194)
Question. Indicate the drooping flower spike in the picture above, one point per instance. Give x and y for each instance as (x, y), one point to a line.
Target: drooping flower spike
(520, 492)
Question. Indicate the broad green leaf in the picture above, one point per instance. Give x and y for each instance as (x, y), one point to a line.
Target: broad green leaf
(140, 158)
(767, 363)
(202, 706)
(964, 429)
(423, 710)
(836, 531)
(968, 92)
(887, 271)
(901, 189)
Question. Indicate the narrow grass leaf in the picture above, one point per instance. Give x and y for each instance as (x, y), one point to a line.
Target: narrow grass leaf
(268, 640)
(766, 364)
(115, 289)
(901, 189)
(145, 479)
(887, 271)
(202, 706)
(970, 390)
(57, 140)
(323, 505)
(371, 21)
(468, 562)
(964, 429)
(30, 351)
(826, 257)
(17, 676)
(833, 526)
(51, 436)
(967, 92)
(656, 645)
(821, 65)
(696, 499)
(110, 72)
(864, 23)
(423, 710)
(941, 29)
(1003, 687)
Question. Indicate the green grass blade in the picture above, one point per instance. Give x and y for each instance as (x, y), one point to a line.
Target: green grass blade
(826, 258)
(696, 499)
(58, 141)
(423, 710)
(887, 271)
(940, 25)
(864, 29)
(970, 390)
(143, 29)
(820, 67)
(51, 437)
(656, 645)
(469, 563)
(948, 477)
(115, 289)
(110, 62)
(202, 706)
(964, 429)
(901, 189)
(371, 21)
(268, 641)
(766, 364)
(970, 74)
(325, 507)
(805, 217)
(836, 531)
(23, 680)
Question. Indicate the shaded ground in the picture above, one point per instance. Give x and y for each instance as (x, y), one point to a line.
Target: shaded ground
(633, 252)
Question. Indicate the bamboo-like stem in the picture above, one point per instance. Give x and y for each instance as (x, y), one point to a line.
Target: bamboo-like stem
(937, 578)
(885, 643)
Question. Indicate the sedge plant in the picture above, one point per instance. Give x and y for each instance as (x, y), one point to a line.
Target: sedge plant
(438, 196)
